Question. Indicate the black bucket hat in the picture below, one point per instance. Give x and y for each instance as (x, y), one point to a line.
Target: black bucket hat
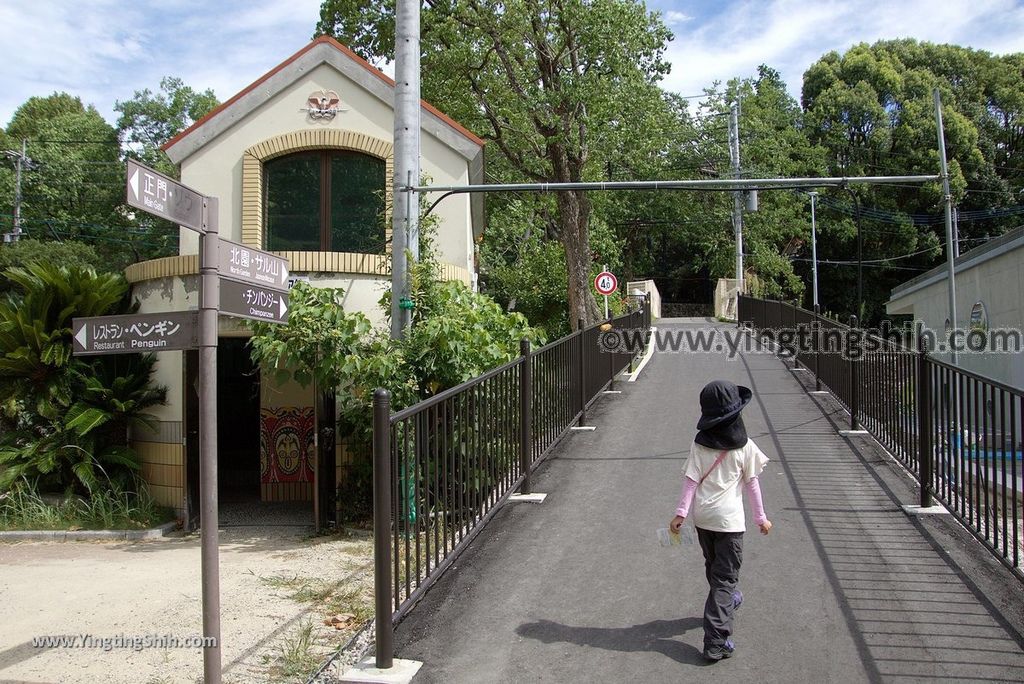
(720, 402)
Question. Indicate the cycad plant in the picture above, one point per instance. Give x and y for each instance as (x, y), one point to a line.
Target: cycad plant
(65, 418)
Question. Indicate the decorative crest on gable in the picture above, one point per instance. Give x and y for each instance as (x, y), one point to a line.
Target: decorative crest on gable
(323, 106)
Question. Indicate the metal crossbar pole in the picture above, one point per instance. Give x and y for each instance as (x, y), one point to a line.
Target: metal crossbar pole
(382, 528)
(716, 184)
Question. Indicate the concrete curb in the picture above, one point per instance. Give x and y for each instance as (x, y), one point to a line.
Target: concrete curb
(85, 535)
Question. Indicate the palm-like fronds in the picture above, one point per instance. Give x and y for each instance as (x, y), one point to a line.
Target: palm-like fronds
(66, 418)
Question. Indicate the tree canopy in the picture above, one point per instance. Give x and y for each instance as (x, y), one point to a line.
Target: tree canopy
(73, 182)
(555, 86)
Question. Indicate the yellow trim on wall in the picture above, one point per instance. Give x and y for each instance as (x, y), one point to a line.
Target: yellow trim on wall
(299, 141)
(298, 262)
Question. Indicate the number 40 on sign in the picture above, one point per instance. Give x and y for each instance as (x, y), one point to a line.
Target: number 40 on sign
(606, 283)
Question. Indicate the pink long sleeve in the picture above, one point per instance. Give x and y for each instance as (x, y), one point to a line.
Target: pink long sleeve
(686, 497)
(754, 492)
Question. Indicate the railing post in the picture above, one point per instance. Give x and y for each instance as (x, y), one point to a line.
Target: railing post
(582, 375)
(924, 422)
(525, 414)
(611, 362)
(854, 389)
(382, 528)
(816, 342)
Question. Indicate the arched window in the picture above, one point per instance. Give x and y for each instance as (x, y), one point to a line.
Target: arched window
(325, 200)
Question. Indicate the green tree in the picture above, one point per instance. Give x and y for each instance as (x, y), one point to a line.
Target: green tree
(871, 108)
(68, 253)
(65, 420)
(148, 120)
(556, 88)
(73, 187)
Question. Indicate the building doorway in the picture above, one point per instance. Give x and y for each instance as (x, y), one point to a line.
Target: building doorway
(238, 422)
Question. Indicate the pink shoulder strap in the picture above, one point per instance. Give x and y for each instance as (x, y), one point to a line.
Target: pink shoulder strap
(721, 457)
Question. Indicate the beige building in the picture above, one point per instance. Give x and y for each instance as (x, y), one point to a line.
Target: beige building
(989, 297)
(301, 164)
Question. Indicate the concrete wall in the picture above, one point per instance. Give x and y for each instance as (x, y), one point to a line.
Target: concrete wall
(646, 287)
(999, 284)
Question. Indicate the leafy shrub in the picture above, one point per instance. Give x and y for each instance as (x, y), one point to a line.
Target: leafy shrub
(456, 335)
(65, 418)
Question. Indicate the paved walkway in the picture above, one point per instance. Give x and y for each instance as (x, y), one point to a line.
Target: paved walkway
(846, 588)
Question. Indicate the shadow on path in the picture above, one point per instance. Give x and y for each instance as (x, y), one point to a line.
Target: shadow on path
(913, 613)
(655, 637)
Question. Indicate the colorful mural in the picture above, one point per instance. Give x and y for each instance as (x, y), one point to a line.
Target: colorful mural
(287, 448)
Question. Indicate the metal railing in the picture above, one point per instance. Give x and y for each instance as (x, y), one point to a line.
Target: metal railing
(958, 432)
(443, 467)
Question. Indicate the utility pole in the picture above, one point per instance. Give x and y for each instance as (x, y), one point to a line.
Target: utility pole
(948, 202)
(814, 249)
(956, 232)
(405, 210)
(737, 196)
(20, 161)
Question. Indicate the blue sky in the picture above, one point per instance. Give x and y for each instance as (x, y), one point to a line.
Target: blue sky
(104, 50)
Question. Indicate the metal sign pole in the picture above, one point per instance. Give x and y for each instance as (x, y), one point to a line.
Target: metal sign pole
(209, 303)
(605, 297)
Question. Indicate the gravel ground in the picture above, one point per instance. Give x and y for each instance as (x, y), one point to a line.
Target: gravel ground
(278, 584)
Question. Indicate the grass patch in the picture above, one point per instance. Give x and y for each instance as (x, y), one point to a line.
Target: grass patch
(296, 659)
(112, 508)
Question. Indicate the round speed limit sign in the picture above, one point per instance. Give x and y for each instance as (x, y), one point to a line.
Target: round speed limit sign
(606, 283)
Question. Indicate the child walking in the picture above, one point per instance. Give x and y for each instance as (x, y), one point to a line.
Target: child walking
(722, 463)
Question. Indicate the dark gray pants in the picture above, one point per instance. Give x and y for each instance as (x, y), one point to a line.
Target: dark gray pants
(723, 555)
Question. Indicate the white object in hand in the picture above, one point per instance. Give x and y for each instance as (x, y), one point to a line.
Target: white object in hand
(667, 537)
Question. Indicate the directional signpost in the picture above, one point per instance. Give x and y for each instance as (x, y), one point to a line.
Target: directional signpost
(253, 302)
(233, 279)
(165, 197)
(134, 333)
(248, 265)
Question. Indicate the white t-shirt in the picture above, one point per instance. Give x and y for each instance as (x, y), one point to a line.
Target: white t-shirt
(718, 501)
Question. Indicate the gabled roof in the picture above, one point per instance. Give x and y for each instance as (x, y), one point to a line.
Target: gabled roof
(323, 50)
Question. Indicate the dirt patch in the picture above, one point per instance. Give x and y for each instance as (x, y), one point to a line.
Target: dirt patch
(287, 601)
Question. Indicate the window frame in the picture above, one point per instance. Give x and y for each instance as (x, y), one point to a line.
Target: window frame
(325, 156)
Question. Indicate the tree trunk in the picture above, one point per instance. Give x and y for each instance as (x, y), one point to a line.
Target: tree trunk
(574, 220)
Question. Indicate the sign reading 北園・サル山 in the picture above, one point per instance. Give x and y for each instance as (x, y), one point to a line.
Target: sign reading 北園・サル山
(249, 265)
(134, 333)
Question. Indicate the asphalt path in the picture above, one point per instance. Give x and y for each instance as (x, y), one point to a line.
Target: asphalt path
(846, 588)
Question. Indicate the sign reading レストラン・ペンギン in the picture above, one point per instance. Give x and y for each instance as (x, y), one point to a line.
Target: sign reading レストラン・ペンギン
(134, 333)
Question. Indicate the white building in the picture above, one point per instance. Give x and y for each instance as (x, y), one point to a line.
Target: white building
(301, 163)
(989, 296)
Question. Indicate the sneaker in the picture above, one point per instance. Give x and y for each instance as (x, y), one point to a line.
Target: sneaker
(737, 599)
(720, 651)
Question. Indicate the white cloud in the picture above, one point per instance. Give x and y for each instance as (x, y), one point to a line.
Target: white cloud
(789, 35)
(672, 17)
(105, 50)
